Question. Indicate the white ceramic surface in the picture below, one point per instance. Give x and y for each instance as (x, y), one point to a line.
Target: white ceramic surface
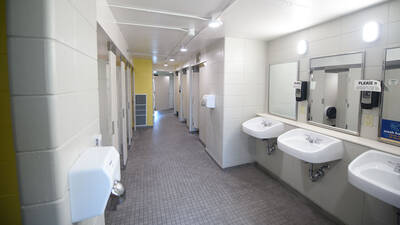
(263, 128)
(310, 146)
(374, 173)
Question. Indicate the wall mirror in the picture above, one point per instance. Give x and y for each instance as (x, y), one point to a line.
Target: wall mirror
(281, 97)
(333, 101)
(390, 118)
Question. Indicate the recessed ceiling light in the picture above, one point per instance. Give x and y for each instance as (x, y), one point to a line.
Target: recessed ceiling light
(371, 31)
(165, 65)
(214, 23)
(171, 60)
(183, 49)
(302, 47)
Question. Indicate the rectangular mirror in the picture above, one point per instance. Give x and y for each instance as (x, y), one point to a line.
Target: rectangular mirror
(390, 118)
(333, 101)
(281, 97)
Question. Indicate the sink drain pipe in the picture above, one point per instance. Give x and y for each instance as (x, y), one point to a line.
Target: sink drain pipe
(318, 173)
(271, 145)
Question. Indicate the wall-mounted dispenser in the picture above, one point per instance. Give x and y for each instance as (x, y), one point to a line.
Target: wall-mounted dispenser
(208, 101)
(369, 99)
(370, 92)
(301, 90)
(93, 177)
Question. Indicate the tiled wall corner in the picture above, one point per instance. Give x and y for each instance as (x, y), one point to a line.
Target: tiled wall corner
(54, 86)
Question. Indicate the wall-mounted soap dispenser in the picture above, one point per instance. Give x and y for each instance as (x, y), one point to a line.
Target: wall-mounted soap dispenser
(301, 90)
(369, 99)
(94, 176)
(370, 92)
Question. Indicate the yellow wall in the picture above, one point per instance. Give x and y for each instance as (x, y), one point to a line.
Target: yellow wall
(9, 201)
(144, 83)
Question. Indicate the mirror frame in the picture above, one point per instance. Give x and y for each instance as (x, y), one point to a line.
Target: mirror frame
(380, 138)
(355, 133)
(269, 90)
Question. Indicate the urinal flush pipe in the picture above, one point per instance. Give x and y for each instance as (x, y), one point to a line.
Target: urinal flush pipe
(117, 194)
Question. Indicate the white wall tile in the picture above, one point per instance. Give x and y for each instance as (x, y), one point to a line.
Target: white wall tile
(43, 175)
(394, 33)
(357, 20)
(65, 70)
(52, 48)
(84, 36)
(55, 212)
(87, 9)
(394, 11)
(57, 118)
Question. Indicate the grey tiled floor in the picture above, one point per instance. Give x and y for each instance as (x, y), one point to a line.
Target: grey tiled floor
(170, 179)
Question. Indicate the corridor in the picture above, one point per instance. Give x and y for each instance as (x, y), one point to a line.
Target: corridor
(170, 179)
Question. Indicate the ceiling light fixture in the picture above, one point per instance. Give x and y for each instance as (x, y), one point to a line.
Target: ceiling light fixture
(215, 23)
(165, 65)
(371, 31)
(172, 60)
(302, 47)
(183, 49)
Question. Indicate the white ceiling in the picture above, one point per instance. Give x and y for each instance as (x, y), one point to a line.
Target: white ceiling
(152, 32)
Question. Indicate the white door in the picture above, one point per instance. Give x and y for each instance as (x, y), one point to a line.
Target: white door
(176, 93)
(317, 96)
(195, 99)
(161, 84)
(104, 102)
(123, 116)
(184, 94)
(353, 99)
(114, 99)
(129, 104)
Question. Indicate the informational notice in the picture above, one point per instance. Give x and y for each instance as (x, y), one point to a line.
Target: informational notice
(367, 85)
(390, 130)
(297, 84)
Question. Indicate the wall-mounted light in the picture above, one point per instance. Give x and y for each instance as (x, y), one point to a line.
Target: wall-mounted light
(165, 65)
(183, 49)
(302, 47)
(171, 60)
(371, 31)
(214, 23)
(155, 71)
(191, 32)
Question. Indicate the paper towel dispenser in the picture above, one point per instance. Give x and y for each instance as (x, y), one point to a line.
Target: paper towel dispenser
(91, 180)
(208, 101)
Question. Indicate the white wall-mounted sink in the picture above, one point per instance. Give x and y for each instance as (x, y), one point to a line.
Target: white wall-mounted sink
(263, 128)
(378, 174)
(310, 146)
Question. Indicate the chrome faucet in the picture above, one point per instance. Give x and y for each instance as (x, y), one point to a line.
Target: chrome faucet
(265, 123)
(397, 168)
(312, 139)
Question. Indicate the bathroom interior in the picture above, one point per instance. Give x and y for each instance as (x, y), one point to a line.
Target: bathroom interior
(200, 112)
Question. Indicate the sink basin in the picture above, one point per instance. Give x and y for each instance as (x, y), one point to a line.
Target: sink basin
(310, 146)
(263, 128)
(374, 173)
